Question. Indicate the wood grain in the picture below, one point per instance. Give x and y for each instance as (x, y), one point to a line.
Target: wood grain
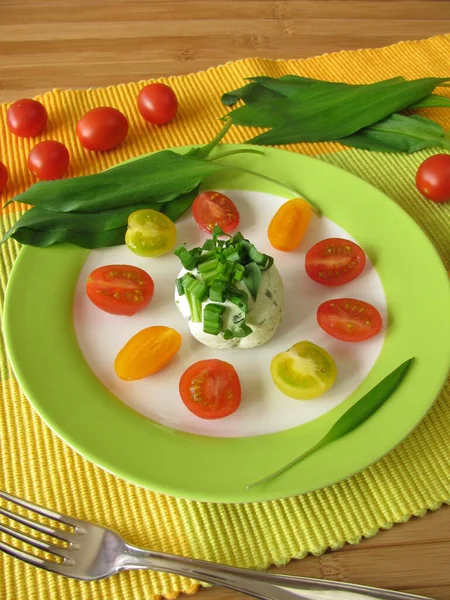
(76, 44)
(69, 43)
(411, 557)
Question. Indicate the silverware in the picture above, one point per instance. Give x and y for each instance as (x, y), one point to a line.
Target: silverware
(89, 552)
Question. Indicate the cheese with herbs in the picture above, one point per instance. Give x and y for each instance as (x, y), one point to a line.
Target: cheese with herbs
(264, 314)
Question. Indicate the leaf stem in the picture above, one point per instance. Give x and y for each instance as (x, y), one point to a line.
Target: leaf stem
(284, 468)
(206, 150)
(233, 152)
(296, 193)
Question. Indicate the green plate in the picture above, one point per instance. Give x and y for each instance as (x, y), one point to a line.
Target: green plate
(60, 385)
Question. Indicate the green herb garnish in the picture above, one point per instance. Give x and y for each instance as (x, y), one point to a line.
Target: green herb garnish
(220, 264)
(212, 318)
(195, 287)
(252, 278)
(239, 298)
(238, 332)
(189, 259)
(195, 306)
(218, 290)
(180, 286)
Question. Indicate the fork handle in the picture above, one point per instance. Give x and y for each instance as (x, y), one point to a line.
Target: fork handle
(265, 586)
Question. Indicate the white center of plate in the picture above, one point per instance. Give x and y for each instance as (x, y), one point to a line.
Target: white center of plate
(263, 409)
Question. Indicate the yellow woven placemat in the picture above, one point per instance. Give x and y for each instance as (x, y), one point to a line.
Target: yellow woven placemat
(36, 464)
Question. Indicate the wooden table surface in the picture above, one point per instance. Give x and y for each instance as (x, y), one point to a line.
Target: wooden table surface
(87, 43)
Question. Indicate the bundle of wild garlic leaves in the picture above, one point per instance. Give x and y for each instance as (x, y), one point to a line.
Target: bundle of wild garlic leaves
(298, 109)
(92, 211)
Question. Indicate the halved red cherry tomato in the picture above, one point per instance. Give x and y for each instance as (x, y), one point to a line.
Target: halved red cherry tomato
(334, 261)
(26, 117)
(49, 160)
(3, 176)
(211, 209)
(120, 289)
(102, 128)
(211, 389)
(157, 103)
(349, 320)
(433, 178)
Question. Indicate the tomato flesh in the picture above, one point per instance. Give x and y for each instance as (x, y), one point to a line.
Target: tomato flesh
(150, 233)
(433, 178)
(304, 372)
(211, 389)
(147, 352)
(334, 261)
(157, 103)
(120, 289)
(212, 208)
(102, 129)
(26, 117)
(49, 160)
(3, 176)
(349, 320)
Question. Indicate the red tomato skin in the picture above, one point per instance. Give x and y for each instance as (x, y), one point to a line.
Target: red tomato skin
(106, 278)
(212, 208)
(157, 103)
(48, 160)
(102, 129)
(3, 177)
(26, 117)
(332, 316)
(314, 255)
(219, 370)
(433, 178)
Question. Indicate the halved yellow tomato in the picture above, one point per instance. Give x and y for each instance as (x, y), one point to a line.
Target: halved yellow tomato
(150, 233)
(304, 372)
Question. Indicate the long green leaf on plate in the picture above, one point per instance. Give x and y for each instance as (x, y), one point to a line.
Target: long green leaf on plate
(355, 416)
(399, 133)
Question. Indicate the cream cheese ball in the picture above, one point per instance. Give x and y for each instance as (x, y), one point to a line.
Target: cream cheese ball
(264, 314)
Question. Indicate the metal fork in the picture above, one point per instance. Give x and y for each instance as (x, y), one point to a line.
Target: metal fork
(94, 552)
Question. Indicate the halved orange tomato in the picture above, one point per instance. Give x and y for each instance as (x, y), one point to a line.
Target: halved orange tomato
(147, 352)
(289, 224)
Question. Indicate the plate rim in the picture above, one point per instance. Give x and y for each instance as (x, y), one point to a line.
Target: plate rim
(257, 494)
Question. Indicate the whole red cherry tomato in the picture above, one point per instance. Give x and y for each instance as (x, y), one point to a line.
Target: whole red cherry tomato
(102, 128)
(49, 160)
(157, 103)
(433, 178)
(3, 176)
(26, 117)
